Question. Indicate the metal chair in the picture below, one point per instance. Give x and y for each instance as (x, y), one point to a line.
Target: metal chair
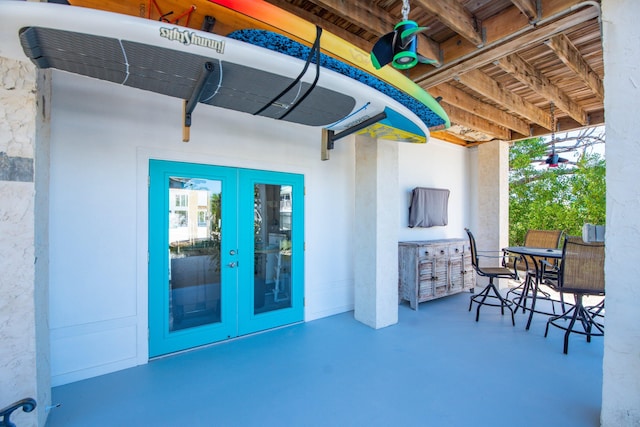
(528, 289)
(490, 295)
(581, 273)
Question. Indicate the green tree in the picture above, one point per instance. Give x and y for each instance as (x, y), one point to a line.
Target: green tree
(562, 198)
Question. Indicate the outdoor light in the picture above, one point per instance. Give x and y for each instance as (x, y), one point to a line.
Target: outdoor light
(399, 46)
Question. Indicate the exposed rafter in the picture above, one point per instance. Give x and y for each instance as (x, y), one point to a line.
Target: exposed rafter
(568, 53)
(472, 121)
(446, 136)
(455, 16)
(506, 25)
(326, 25)
(491, 53)
(466, 102)
(483, 84)
(566, 124)
(528, 7)
(537, 81)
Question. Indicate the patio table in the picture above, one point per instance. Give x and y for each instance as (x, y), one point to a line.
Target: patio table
(538, 255)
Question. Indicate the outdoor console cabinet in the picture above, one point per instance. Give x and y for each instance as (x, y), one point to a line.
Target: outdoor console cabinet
(430, 269)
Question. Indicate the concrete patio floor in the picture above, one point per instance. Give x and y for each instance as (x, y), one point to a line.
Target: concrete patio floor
(436, 367)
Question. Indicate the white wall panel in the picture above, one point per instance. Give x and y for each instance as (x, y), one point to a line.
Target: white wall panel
(112, 345)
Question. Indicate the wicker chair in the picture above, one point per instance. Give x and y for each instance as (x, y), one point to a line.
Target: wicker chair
(581, 273)
(536, 239)
(490, 294)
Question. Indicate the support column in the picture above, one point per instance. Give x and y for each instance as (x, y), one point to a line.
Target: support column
(491, 225)
(376, 232)
(24, 268)
(621, 364)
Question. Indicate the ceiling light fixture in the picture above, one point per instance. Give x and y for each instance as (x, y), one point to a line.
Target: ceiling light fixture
(554, 159)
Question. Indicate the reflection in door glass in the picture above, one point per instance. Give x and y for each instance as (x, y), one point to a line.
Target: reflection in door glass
(194, 252)
(272, 242)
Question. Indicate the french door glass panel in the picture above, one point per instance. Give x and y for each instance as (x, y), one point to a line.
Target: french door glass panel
(272, 243)
(195, 234)
(271, 226)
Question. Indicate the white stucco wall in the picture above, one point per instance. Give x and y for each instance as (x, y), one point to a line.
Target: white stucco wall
(437, 164)
(621, 366)
(24, 353)
(102, 138)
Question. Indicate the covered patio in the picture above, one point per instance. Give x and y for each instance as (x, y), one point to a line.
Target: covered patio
(436, 366)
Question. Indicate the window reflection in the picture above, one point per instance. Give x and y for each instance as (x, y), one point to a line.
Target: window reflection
(194, 252)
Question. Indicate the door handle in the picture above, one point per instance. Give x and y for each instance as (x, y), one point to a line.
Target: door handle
(232, 264)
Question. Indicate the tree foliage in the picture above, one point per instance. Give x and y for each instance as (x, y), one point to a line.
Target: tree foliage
(562, 198)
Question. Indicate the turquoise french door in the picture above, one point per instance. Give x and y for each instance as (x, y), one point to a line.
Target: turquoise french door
(225, 253)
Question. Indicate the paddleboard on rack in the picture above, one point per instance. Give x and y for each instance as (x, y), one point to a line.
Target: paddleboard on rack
(190, 64)
(226, 17)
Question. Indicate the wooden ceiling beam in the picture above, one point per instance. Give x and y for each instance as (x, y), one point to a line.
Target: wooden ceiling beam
(429, 49)
(452, 14)
(363, 15)
(494, 51)
(532, 77)
(499, 28)
(463, 100)
(566, 124)
(464, 118)
(572, 58)
(528, 7)
(316, 20)
(443, 135)
(486, 86)
(510, 21)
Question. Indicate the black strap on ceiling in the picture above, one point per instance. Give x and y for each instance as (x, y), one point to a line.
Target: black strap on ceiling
(315, 50)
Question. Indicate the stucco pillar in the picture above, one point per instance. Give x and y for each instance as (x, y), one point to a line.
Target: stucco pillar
(24, 180)
(621, 365)
(376, 232)
(491, 223)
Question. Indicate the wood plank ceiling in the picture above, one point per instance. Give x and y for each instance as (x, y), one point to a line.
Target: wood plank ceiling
(507, 69)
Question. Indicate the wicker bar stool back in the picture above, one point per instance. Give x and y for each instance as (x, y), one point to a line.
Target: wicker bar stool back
(581, 273)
